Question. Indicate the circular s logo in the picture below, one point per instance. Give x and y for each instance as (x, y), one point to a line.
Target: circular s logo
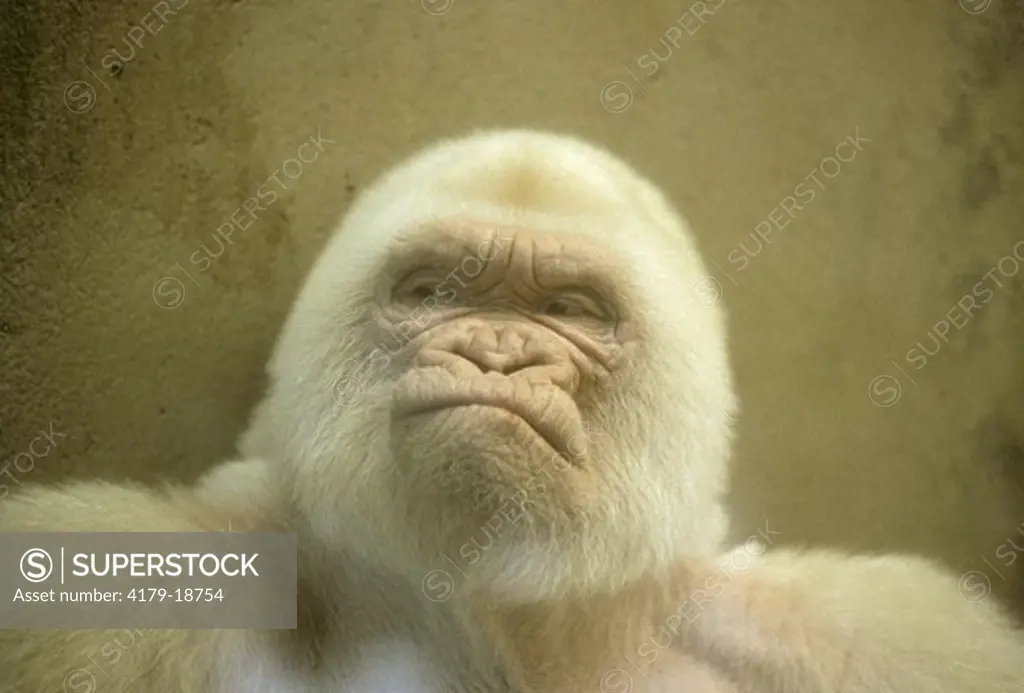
(168, 293)
(438, 586)
(616, 681)
(884, 391)
(36, 565)
(975, 586)
(706, 291)
(975, 6)
(79, 681)
(79, 97)
(437, 7)
(616, 96)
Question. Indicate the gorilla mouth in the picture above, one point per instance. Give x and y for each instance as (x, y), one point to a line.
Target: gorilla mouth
(543, 415)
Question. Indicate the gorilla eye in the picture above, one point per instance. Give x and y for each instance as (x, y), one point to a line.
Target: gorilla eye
(572, 308)
(417, 287)
(421, 292)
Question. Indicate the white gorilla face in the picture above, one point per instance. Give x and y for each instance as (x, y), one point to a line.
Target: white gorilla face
(497, 363)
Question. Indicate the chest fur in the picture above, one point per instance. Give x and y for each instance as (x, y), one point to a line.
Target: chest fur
(396, 666)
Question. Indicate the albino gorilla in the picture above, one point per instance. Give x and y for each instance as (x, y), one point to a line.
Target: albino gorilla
(500, 427)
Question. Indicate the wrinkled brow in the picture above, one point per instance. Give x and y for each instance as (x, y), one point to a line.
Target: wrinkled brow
(445, 245)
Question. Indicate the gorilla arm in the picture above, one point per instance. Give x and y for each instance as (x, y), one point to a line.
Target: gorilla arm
(826, 622)
(157, 661)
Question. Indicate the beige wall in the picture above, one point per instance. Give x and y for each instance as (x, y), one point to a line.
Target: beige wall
(111, 181)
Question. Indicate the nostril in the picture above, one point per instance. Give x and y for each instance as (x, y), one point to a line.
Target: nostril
(492, 362)
(505, 349)
(483, 338)
(482, 348)
(511, 340)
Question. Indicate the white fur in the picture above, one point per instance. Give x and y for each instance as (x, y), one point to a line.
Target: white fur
(393, 667)
(257, 670)
(384, 667)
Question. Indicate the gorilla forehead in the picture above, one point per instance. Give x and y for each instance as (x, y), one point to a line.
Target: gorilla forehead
(537, 260)
(530, 179)
(529, 170)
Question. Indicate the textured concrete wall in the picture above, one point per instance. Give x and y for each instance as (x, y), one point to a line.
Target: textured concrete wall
(133, 130)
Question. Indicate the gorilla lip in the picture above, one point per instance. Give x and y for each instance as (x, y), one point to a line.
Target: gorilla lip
(549, 431)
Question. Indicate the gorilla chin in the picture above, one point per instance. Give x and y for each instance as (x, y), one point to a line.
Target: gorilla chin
(501, 440)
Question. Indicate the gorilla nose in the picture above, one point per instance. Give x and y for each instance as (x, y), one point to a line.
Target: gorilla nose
(522, 351)
(504, 349)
